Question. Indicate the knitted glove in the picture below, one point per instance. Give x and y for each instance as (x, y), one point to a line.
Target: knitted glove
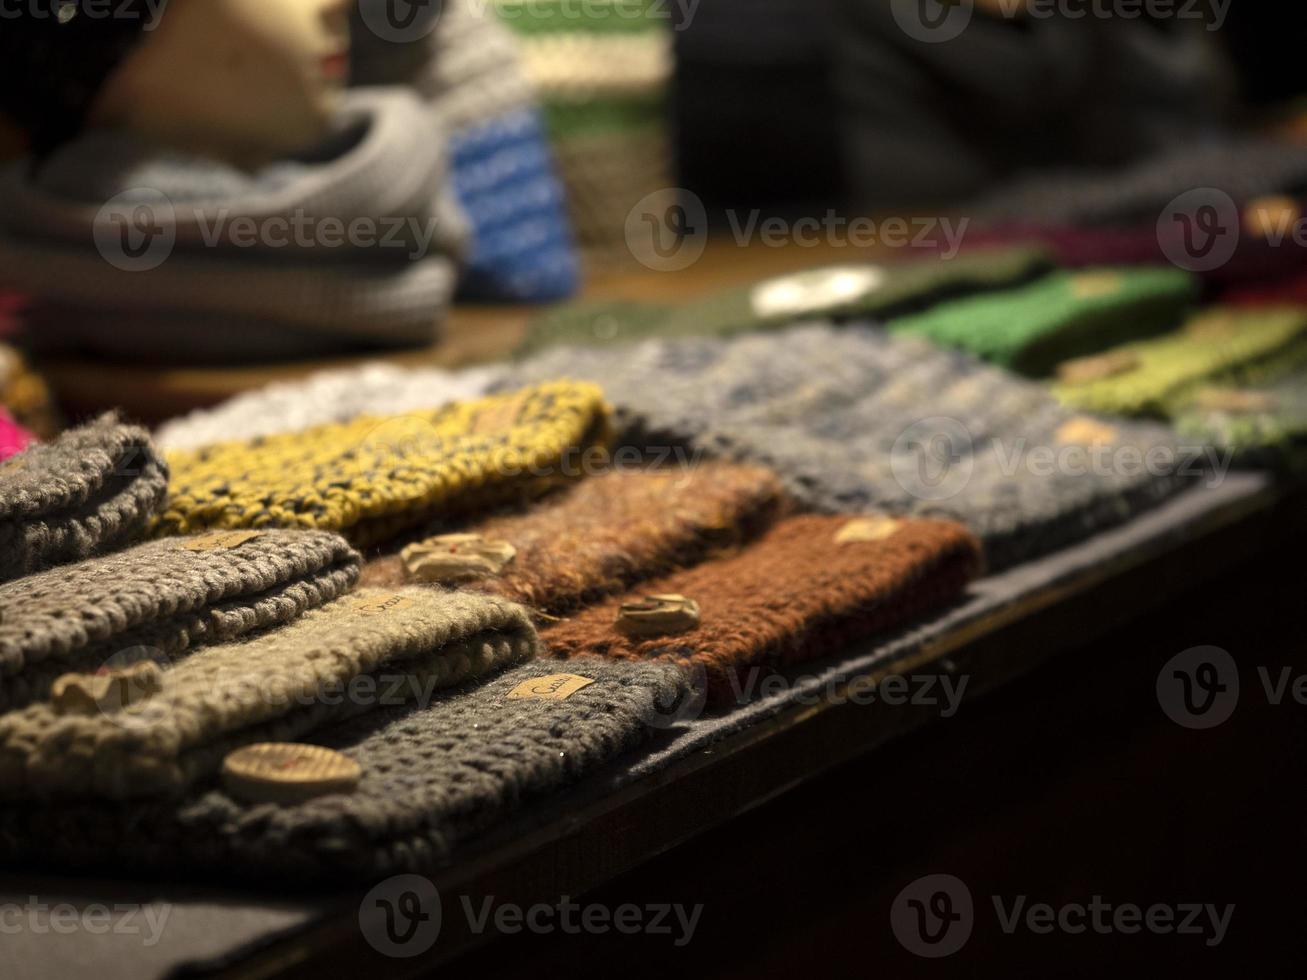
(354, 655)
(373, 477)
(1218, 346)
(167, 596)
(609, 532)
(810, 587)
(432, 777)
(92, 490)
(833, 292)
(1033, 328)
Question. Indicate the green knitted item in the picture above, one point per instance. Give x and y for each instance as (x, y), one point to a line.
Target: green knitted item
(1262, 426)
(830, 292)
(1037, 326)
(536, 17)
(1159, 377)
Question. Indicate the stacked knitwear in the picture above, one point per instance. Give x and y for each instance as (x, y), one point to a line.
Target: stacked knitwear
(365, 651)
(855, 419)
(13, 437)
(468, 69)
(1218, 346)
(373, 478)
(432, 778)
(1261, 426)
(1034, 328)
(607, 533)
(603, 72)
(834, 292)
(93, 489)
(807, 589)
(328, 396)
(162, 598)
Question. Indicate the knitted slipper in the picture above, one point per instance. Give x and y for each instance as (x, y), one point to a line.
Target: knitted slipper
(1219, 345)
(831, 292)
(91, 490)
(165, 596)
(1263, 426)
(855, 419)
(13, 437)
(597, 538)
(373, 477)
(1034, 328)
(429, 778)
(141, 731)
(810, 587)
(329, 396)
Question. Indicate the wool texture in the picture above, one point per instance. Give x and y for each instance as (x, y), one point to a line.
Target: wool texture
(1244, 169)
(13, 437)
(1262, 426)
(1219, 345)
(275, 687)
(373, 478)
(203, 289)
(796, 595)
(162, 596)
(434, 777)
(836, 292)
(855, 419)
(328, 396)
(468, 70)
(615, 529)
(1033, 328)
(24, 392)
(93, 489)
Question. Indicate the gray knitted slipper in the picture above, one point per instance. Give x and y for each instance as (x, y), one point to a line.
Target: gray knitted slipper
(165, 596)
(91, 490)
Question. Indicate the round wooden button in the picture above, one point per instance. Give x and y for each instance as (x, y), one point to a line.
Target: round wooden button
(451, 559)
(657, 615)
(288, 772)
(1098, 367)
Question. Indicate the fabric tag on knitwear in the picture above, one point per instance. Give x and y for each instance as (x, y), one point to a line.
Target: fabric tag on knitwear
(380, 605)
(868, 529)
(554, 687)
(1090, 285)
(1084, 431)
(214, 540)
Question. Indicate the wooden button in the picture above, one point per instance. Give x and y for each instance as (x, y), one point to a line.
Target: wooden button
(1236, 401)
(453, 558)
(106, 690)
(876, 528)
(1084, 431)
(1086, 370)
(658, 615)
(1090, 285)
(287, 772)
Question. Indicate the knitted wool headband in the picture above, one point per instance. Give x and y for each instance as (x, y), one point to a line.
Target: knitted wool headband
(373, 477)
(432, 777)
(93, 489)
(834, 292)
(56, 54)
(352, 656)
(1219, 345)
(1034, 328)
(855, 419)
(166, 596)
(613, 530)
(329, 396)
(809, 587)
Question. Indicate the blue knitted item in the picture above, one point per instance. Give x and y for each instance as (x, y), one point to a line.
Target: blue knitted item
(504, 180)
